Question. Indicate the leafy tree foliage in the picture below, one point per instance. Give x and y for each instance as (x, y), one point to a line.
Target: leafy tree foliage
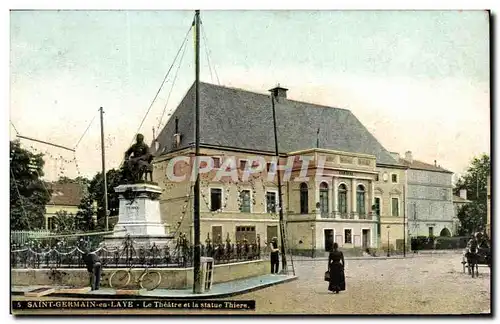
(472, 216)
(28, 196)
(84, 219)
(96, 191)
(64, 222)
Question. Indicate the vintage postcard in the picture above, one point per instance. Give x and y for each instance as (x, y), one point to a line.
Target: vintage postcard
(250, 162)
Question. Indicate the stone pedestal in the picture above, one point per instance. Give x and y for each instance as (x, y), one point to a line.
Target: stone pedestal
(139, 217)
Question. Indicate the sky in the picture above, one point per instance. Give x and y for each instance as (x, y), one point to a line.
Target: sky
(418, 80)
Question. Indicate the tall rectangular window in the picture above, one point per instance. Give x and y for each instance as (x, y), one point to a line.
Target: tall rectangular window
(216, 162)
(243, 164)
(348, 236)
(323, 199)
(215, 199)
(245, 201)
(271, 201)
(377, 206)
(342, 199)
(395, 206)
(304, 198)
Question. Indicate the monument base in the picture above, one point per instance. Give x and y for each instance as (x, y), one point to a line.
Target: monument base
(139, 218)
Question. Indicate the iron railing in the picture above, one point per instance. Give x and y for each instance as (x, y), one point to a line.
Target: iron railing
(36, 255)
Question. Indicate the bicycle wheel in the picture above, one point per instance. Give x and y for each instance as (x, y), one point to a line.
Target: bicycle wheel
(119, 279)
(150, 280)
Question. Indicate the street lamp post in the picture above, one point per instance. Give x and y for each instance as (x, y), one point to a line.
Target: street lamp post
(388, 239)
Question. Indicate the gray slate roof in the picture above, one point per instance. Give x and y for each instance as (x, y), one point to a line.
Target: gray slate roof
(242, 119)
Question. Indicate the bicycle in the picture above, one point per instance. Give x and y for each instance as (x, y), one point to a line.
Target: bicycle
(148, 280)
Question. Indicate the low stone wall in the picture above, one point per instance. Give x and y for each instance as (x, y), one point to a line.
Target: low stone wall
(172, 278)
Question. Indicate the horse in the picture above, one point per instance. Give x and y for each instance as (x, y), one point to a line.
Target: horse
(474, 256)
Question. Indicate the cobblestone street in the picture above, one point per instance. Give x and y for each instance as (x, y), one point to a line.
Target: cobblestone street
(430, 284)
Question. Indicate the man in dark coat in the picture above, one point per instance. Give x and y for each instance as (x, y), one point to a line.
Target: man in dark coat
(94, 267)
(275, 252)
(138, 156)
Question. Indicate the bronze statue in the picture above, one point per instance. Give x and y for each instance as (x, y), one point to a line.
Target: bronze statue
(138, 160)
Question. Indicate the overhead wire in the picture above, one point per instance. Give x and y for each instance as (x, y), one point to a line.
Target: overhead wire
(15, 129)
(43, 184)
(85, 132)
(208, 60)
(205, 38)
(161, 86)
(172, 87)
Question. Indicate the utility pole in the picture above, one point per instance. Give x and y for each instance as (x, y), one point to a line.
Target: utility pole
(196, 201)
(103, 159)
(280, 198)
(404, 221)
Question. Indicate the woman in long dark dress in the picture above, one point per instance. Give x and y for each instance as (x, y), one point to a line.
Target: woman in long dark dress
(336, 266)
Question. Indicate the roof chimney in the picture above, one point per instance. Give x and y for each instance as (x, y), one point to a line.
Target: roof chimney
(409, 156)
(463, 194)
(279, 92)
(395, 155)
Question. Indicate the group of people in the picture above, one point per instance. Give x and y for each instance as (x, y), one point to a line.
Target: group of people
(335, 269)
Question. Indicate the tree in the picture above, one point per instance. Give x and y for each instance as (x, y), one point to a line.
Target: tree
(28, 195)
(472, 216)
(96, 191)
(64, 222)
(84, 219)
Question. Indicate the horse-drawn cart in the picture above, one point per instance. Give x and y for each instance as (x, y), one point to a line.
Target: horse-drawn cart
(472, 260)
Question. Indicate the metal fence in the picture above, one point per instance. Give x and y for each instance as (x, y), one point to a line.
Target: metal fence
(22, 237)
(35, 255)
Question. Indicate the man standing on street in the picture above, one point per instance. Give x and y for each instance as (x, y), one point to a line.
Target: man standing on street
(94, 267)
(275, 259)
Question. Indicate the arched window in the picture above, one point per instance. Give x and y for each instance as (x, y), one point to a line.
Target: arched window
(304, 198)
(360, 200)
(323, 198)
(342, 199)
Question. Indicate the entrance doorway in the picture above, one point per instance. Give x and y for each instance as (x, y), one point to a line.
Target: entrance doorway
(272, 231)
(217, 234)
(328, 239)
(365, 240)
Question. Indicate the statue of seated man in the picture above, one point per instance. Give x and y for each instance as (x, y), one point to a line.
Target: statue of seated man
(138, 156)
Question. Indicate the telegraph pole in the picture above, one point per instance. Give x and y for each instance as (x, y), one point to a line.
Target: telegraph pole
(196, 201)
(103, 159)
(280, 198)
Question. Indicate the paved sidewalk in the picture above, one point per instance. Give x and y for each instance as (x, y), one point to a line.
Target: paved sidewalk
(219, 290)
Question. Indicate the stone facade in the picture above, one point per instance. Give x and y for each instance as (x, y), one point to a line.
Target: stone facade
(320, 208)
(390, 192)
(339, 202)
(430, 199)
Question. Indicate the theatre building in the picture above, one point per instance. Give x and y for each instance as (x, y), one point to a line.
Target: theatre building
(338, 195)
